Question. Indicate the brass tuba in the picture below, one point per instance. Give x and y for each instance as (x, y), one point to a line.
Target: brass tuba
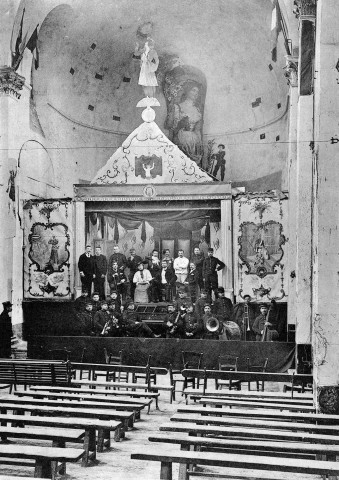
(212, 324)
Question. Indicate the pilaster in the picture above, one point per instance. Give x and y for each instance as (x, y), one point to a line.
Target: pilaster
(79, 244)
(226, 246)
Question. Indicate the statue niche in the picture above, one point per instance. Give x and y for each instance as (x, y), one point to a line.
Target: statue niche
(184, 88)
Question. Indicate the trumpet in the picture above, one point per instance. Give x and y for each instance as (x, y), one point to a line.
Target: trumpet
(212, 324)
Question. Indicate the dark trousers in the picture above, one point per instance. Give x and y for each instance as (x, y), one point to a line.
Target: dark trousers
(86, 283)
(155, 291)
(211, 284)
(140, 330)
(99, 286)
(222, 170)
(193, 292)
(168, 292)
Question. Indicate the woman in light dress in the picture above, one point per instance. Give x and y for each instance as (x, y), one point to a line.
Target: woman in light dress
(142, 279)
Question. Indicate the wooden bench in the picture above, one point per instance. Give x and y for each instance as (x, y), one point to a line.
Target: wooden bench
(244, 432)
(99, 392)
(256, 404)
(126, 418)
(44, 457)
(258, 423)
(255, 446)
(227, 460)
(25, 372)
(90, 425)
(319, 418)
(127, 385)
(195, 394)
(205, 375)
(65, 400)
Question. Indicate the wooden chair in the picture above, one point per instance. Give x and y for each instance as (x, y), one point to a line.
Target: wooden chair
(228, 363)
(189, 360)
(259, 367)
(151, 377)
(111, 359)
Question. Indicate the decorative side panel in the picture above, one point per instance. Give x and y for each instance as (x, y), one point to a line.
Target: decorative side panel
(48, 249)
(260, 246)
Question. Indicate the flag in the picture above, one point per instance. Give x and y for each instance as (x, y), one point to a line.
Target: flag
(116, 231)
(32, 45)
(17, 55)
(275, 29)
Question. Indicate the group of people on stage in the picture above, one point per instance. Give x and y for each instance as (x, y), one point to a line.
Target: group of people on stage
(152, 279)
(183, 319)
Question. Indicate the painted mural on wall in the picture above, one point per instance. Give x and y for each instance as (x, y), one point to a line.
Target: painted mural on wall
(260, 246)
(184, 88)
(47, 257)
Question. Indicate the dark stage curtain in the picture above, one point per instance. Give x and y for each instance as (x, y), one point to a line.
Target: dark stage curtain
(164, 351)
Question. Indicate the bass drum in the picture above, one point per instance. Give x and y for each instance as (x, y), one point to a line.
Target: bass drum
(232, 330)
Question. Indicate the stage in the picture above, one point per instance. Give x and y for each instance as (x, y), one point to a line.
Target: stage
(166, 351)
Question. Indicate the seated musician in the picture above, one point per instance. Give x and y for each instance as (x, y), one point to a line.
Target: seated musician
(84, 321)
(192, 282)
(171, 322)
(117, 280)
(167, 279)
(116, 324)
(101, 320)
(209, 320)
(200, 303)
(182, 298)
(80, 302)
(115, 299)
(133, 326)
(96, 303)
(189, 325)
(263, 328)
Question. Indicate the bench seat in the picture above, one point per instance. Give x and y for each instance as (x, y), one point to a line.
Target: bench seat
(43, 457)
(92, 391)
(254, 444)
(257, 404)
(198, 393)
(90, 425)
(259, 423)
(59, 436)
(313, 467)
(262, 433)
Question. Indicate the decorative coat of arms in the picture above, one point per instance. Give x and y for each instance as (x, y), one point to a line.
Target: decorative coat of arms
(261, 247)
(148, 167)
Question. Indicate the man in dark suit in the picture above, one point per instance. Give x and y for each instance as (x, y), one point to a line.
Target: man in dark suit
(117, 257)
(210, 269)
(87, 269)
(100, 270)
(132, 263)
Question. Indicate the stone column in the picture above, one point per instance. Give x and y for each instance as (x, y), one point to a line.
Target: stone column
(11, 84)
(291, 73)
(79, 243)
(325, 339)
(305, 12)
(227, 246)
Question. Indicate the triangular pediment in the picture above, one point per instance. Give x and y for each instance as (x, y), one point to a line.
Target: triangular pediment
(148, 156)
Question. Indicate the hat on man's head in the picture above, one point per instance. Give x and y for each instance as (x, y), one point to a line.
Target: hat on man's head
(7, 304)
(210, 249)
(96, 293)
(88, 303)
(171, 304)
(103, 302)
(263, 305)
(221, 290)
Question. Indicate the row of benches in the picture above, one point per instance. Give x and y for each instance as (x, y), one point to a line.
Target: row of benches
(43, 414)
(249, 441)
